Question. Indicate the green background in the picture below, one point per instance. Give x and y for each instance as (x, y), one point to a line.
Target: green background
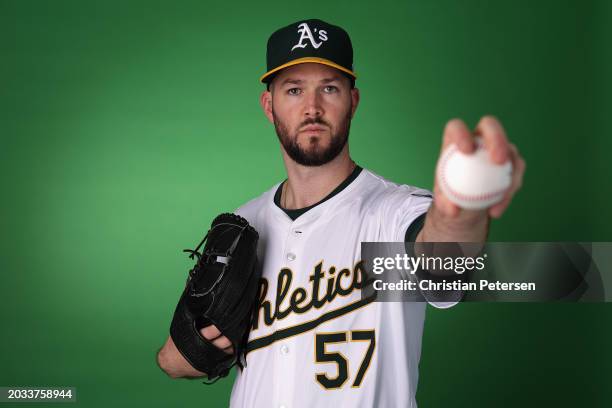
(126, 126)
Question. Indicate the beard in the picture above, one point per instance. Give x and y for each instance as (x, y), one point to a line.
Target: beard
(314, 154)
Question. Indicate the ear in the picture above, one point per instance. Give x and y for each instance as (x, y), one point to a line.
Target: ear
(266, 104)
(355, 98)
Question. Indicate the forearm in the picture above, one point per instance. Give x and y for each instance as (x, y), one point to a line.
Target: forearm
(172, 362)
(467, 226)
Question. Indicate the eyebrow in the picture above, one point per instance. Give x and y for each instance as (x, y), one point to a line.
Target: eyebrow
(291, 81)
(332, 79)
(299, 81)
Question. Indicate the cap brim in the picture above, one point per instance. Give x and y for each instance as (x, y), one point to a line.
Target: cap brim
(304, 60)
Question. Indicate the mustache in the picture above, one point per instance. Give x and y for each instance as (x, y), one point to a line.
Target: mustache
(314, 121)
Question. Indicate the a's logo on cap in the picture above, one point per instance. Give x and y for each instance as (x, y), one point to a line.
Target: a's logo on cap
(306, 34)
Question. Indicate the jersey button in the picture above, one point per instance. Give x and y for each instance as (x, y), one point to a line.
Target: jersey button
(290, 256)
(297, 233)
(284, 349)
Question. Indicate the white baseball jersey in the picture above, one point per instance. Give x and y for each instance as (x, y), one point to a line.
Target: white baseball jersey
(316, 343)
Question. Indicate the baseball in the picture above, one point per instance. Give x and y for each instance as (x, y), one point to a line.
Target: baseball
(472, 181)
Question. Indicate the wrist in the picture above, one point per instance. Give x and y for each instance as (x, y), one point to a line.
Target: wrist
(466, 226)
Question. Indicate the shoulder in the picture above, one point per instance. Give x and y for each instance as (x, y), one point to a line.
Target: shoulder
(254, 210)
(394, 206)
(383, 192)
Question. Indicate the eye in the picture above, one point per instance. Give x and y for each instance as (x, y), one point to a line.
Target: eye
(294, 91)
(330, 89)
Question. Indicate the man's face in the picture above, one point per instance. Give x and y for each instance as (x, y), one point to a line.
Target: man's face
(311, 106)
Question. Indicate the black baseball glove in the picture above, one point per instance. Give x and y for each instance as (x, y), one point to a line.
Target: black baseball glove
(221, 290)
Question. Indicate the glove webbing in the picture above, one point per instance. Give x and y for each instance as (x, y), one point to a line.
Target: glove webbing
(226, 257)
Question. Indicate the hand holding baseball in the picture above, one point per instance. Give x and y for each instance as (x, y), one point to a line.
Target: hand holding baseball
(478, 171)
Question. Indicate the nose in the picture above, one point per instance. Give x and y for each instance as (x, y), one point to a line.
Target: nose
(313, 106)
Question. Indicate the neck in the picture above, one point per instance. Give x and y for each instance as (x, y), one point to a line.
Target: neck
(306, 185)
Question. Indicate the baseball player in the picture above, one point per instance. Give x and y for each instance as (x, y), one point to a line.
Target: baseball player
(314, 341)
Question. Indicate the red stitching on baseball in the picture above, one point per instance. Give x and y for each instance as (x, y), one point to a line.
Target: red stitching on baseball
(477, 197)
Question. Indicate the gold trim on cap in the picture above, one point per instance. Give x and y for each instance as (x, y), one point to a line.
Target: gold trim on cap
(308, 59)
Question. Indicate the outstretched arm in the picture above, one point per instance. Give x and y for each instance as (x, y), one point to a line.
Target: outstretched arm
(447, 222)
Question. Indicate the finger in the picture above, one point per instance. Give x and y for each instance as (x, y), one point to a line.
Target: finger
(229, 350)
(456, 132)
(494, 138)
(518, 169)
(222, 342)
(210, 332)
(444, 205)
(517, 181)
(213, 334)
(519, 166)
(498, 209)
